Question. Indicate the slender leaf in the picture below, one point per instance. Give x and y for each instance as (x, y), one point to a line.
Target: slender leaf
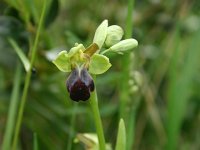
(20, 53)
(121, 137)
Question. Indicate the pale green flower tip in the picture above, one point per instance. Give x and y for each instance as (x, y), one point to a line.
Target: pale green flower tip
(104, 23)
(101, 33)
(76, 49)
(132, 43)
(114, 35)
(62, 52)
(135, 42)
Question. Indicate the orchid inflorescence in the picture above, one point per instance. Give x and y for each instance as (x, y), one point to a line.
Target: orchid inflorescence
(80, 62)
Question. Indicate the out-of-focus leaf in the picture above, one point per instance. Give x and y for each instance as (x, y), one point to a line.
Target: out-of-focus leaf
(121, 136)
(180, 88)
(32, 9)
(12, 28)
(20, 53)
(52, 12)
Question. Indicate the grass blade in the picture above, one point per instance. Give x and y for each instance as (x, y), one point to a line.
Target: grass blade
(27, 81)
(35, 142)
(121, 137)
(20, 53)
(12, 109)
(180, 90)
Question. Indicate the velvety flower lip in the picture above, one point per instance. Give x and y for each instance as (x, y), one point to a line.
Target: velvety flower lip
(80, 84)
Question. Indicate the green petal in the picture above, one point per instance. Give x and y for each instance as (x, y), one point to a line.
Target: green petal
(62, 62)
(101, 33)
(99, 64)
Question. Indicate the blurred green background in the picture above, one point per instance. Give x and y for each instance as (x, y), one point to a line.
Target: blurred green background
(165, 109)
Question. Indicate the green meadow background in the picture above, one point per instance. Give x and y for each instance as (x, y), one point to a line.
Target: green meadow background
(156, 90)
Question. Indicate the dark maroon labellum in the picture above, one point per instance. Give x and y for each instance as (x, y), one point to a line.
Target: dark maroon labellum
(80, 84)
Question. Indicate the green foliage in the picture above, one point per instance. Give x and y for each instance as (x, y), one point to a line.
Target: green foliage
(21, 55)
(121, 136)
(35, 143)
(163, 113)
(182, 80)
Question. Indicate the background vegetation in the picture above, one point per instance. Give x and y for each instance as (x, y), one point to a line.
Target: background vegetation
(161, 113)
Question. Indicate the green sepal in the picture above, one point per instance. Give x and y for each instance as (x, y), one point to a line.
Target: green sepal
(99, 64)
(62, 61)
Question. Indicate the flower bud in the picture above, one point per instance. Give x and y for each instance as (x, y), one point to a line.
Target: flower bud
(80, 84)
(101, 33)
(114, 35)
(138, 78)
(124, 45)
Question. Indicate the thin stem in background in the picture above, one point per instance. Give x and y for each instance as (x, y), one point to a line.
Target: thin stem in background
(129, 21)
(35, 142)
(126, 65)
(95, 109)
(180, 87)
(27, 81)
(12, 109)
(72, 124)
(125, 99)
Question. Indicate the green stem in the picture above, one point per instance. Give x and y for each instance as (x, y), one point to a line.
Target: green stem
(12, 109)
(27, 81)
(72, 124)
(125, 104)
(35, 142)
(126, 65)
(129, 23)
(105, 51)
(95, 109)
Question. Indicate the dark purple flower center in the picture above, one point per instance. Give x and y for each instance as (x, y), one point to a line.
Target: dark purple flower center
(80, 84)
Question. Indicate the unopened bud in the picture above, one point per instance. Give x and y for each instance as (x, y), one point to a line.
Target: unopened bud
(101, 33)
(114, 35)
(138, 78)
(124, 45)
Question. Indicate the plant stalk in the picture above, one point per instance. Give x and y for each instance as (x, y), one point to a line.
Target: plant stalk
(125, 104)
(72, 124)
(99, 128)
(27, 80)
(12, 109)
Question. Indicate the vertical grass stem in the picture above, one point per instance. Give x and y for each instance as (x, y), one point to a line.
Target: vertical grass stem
(27, 80)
